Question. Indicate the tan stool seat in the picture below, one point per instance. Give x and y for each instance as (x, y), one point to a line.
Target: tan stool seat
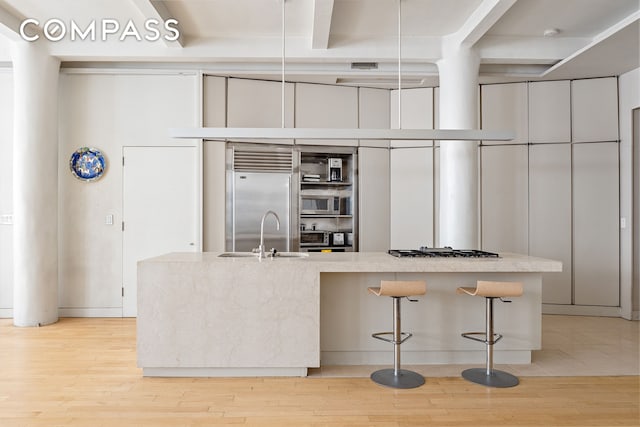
(493, 289)
(389, 288)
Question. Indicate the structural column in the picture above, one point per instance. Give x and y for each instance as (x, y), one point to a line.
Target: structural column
(458, 214)
(35, 185)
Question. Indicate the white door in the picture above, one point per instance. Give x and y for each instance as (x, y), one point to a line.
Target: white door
(159, 209)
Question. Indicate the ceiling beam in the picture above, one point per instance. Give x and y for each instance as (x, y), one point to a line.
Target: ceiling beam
(9, 25)
(322, 13)
(480, 21)
(598, 39)
(158, 10)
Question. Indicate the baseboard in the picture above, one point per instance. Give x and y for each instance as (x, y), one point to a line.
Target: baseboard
(224, 372)
(90, 312)
(581, 310)
(423, 357)
(7, 313)
(635, 315)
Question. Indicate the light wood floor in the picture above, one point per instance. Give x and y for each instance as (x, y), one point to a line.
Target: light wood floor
(82, 372)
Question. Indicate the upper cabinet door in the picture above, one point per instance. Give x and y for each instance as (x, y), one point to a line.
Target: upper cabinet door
(373, 113)
(416, 112)
(258, 104)
(504, 107)
(326, 106)
(594, 108)
(550, 111)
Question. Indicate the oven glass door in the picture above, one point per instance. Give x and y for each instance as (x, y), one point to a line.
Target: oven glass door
(314, 238)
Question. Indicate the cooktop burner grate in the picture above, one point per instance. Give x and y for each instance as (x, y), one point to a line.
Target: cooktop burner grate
(446, 252)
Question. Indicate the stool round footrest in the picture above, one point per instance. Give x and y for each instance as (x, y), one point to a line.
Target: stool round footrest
(470, 335)
(496, 378)
(403, 337)
(404, 378)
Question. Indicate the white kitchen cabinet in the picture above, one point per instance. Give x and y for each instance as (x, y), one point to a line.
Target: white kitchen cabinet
(504, 187)
(550, 216)
(374, 173)
(326, 106)
(374, 197)
(214, 101)
(596, 224)
(594, 109)
(373, 113)
(258, 104)
(550, 111)
(411, 197)
(416, 108)
(504, 107)
(214, 112)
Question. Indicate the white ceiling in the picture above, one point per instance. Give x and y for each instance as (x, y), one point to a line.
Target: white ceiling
(323, 37)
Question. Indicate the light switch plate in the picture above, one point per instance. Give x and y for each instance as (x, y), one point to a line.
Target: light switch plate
(6, 219)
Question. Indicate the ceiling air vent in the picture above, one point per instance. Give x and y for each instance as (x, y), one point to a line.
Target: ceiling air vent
(364, 65)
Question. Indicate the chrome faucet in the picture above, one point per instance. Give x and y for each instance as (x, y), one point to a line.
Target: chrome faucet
(261, 253)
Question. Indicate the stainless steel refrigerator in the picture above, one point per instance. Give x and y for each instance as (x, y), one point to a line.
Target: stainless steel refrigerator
(258, 180)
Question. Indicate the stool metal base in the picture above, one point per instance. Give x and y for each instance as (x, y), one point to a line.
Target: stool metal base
(404, 379)
(497, 378)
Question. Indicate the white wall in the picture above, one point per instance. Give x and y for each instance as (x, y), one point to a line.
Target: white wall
(6, 191)
(629, 99)
(108, 111)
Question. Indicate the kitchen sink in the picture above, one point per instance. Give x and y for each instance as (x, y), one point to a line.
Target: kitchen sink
(238, 255)
(290, 255)
(255, 255)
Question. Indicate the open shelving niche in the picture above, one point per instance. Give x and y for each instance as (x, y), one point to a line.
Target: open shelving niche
(314, 179)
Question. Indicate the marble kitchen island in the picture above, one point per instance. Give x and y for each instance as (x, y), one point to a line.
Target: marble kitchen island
(200, 314)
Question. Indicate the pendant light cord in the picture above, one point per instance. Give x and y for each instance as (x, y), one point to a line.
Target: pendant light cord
(283, 51)
(399, 64)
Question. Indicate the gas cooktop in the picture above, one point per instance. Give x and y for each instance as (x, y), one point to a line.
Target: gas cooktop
(425, 252)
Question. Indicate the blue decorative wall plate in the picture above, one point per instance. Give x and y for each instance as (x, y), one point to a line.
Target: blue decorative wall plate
(87, 164)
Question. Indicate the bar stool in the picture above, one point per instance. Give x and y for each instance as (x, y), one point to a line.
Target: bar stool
(490, 291)
(396, 377)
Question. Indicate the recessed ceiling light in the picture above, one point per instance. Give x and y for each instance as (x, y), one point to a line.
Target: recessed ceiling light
(550, 32)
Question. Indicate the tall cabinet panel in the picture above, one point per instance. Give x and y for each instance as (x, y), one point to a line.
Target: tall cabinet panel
(550, 216)
(595, 224)
(504, 198)
(214, 113)
(373, 173)
(411, 197)
(412, 174)
(374, 196)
